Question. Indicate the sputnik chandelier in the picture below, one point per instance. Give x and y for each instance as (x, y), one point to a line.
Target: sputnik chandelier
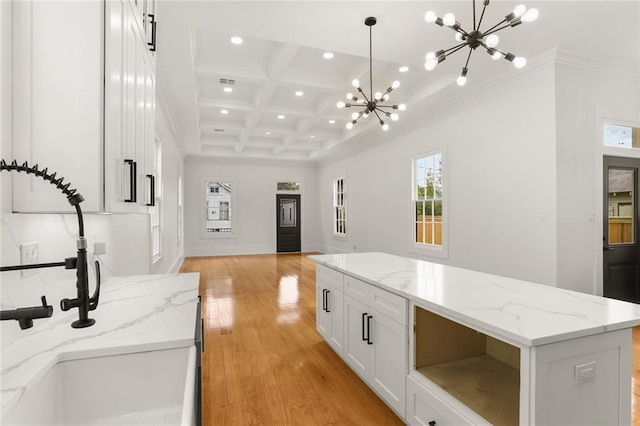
(487, 39)
(372, 103)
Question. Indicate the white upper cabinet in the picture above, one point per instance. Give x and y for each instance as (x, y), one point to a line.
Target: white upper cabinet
(84, 102)
(57, 101)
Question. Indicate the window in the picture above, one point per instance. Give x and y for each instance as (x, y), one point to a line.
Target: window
(218, 207)
(179, 204)
(288, 186)
(339, 208)
(621, 136)
(427, 200)
(155, 205)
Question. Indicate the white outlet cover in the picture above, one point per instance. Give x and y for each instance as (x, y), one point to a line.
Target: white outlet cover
(584, 373)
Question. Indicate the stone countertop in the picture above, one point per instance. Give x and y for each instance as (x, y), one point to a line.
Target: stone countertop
(135, 314)
(526, 313)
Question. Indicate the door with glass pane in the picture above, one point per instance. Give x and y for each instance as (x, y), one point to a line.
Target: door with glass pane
(620, 241)
(288, 224)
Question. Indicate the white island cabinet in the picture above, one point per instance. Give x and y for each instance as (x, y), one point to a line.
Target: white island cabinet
(484, 349)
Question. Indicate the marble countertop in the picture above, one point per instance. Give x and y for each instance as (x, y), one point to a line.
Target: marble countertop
(135, 314)
(526, 313)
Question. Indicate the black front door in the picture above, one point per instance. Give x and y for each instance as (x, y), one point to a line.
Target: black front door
(288, 223)
(621, 254)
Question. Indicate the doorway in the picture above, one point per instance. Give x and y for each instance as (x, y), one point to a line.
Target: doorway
(621, 252)
(288, 223)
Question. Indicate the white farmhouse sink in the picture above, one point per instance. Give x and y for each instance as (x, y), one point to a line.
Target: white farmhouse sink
(153, 388)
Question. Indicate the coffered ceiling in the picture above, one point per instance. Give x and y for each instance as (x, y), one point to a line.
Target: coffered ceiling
(281, 93)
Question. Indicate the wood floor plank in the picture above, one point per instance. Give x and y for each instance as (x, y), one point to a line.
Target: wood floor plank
(265, 363)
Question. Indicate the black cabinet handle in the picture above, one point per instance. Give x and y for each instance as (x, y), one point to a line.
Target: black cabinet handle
(432, 423)
(364, 316)
(152, 190)
(328, 309)
(132, 181)
(153, 33)
(324, 299)
(369, 342)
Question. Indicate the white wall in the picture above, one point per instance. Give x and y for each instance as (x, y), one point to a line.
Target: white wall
(500, 170)
(254, 209)
(585, 94)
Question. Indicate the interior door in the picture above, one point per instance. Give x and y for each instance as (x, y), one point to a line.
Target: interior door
(288, 224)
(620, 241)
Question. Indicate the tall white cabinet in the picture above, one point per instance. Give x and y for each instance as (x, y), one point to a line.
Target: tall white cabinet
(83, 103)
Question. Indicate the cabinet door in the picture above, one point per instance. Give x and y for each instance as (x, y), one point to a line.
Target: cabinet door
(58, 101)
(323, 318)
(356, 346)
(389, 360)
(335, 306)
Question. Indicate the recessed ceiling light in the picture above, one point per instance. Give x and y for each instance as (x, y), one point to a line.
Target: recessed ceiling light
(224, 111)
(228, 89)
(299, 93)
(327, 55)
(403, 69)
(281, 117)
(312, 136)
(236, 40)
(332, 121)
(268, 133)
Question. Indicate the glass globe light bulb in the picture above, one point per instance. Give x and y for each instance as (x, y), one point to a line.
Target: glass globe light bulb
(430, 56)
(349, 125)
(402, 107)
(496, 55)
(355, 83)
(395, 84)
(492, 40)
(355, 115)
(461, 81)
(385, 97)
(449, 19)
(430, 64)
(366, 114)
(341, 104)
(530, 16)
(395, 117)
(349, 95)
(430, 17)
(519, 62)
(377, 96)
(519, 10)
(385, 127)
(458, 36)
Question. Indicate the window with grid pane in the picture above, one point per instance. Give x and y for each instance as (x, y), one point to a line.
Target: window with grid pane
(427, 199)
(339, 208)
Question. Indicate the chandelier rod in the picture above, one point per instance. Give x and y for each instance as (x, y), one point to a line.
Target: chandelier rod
(486, 3)
(474, 17)
(371, 60)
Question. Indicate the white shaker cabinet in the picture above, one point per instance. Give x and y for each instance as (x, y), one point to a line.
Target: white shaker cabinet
(329, 307)
(83, 103)
(375, 344)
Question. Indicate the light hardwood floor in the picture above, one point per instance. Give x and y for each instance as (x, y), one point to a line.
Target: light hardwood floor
(265, 364)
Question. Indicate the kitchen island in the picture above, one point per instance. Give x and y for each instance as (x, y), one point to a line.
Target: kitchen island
(475, 348)
(135, 315)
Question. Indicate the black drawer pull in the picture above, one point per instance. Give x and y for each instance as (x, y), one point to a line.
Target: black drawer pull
(328, 309)
(132, 181)
(369, 342)
(364, 318)
(152, 44)
(152, 190)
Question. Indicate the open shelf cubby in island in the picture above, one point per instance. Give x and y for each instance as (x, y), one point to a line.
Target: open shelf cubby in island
(478, 370)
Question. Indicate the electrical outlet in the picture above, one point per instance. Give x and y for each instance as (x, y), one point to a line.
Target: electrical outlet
(99, 248)
(29, 254)
(584, 373)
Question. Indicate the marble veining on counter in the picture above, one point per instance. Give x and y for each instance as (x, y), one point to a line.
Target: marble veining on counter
(135, 314)
(527, 313)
